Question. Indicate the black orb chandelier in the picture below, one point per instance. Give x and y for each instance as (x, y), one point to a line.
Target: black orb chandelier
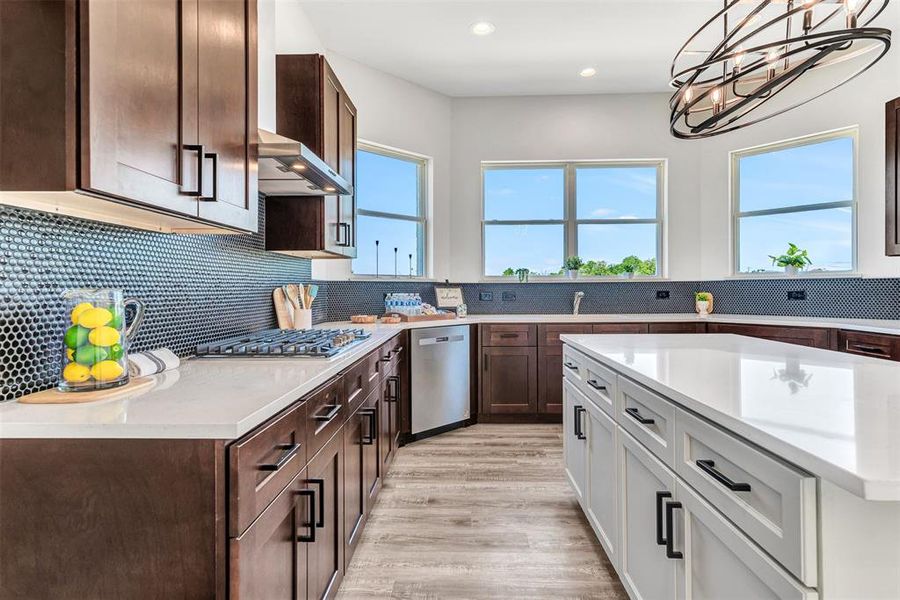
(737, 68)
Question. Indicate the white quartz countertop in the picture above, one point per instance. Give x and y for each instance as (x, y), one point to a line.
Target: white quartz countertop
(833, 414)
(225, 398)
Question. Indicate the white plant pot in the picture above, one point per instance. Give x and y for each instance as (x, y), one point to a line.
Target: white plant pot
(702, 308)
(626, 275)
(572, 274)
(791, 271)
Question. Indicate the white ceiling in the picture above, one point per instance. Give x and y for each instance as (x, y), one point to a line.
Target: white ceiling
(538, 47)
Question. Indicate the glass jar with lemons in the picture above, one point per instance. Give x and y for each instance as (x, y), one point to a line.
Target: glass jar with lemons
(95, 345)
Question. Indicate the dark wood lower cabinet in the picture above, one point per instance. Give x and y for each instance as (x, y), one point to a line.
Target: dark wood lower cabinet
(356, 432)
(269, 560)
(550, 380)
(326, 553)
(509, 380)
(372, 467)
(802, 336)
(389, 436)
(677, 328)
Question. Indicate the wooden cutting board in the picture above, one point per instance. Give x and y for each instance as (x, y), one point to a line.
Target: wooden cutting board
(137, 386)
(283, 312)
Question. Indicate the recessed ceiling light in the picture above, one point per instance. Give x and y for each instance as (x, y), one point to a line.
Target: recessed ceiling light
(588, 72)
(483, 28)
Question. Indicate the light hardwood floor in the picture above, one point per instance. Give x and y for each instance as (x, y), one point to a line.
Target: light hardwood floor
(482, 512)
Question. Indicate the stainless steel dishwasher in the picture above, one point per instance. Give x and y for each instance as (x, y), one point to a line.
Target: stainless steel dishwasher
(440, 379)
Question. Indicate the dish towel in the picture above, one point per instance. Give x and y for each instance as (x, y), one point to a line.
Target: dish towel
(141, 364)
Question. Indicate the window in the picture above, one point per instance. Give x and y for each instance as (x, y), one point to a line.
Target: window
(800, 192)
(391, 199)
(608, 213)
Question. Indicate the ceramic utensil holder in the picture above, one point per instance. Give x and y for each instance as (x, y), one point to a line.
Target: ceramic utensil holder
(303, 318)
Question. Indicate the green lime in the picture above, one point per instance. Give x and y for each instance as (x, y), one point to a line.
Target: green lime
(116, 322)
(116, 351)
(76, 335)
(88, 355)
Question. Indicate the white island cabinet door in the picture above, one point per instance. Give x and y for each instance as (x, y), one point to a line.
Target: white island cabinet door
(720, 562)
(575, 439)
(645, 486)
(602, 481)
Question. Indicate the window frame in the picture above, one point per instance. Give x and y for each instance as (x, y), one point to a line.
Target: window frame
(734, 173)
(570, 220)
(423, 170)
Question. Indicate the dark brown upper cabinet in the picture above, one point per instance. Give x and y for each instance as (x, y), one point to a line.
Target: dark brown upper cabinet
(892, 177)
(141, 113)
(313, 108)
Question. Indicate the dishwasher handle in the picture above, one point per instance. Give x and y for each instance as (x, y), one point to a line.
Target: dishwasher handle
(443, 339)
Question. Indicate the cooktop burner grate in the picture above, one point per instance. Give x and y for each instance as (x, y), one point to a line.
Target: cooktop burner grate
(304, 343)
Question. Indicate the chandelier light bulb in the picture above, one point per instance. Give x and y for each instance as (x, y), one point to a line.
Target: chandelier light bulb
(717, 100)
(852, 13)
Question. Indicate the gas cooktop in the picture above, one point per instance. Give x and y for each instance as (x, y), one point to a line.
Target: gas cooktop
(280, 343)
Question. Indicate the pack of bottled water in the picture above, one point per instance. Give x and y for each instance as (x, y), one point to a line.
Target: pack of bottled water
(404, 304)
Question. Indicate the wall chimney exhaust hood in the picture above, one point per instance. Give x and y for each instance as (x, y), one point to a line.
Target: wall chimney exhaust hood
(289, 168)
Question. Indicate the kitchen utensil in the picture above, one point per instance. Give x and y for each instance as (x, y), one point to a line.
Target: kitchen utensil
(301, 296)
(284, 315)
(134, 387)
(95, 345)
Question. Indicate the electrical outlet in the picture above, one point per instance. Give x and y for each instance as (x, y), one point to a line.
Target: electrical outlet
(486, 296)
(662, 294)
(797, 295)
(509, 296)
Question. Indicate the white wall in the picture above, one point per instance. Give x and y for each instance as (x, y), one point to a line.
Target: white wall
(460, 133)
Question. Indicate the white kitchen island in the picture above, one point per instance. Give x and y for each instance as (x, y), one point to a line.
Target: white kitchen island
(721, 466)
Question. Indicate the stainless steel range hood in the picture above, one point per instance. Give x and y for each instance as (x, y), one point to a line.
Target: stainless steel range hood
(288, 168)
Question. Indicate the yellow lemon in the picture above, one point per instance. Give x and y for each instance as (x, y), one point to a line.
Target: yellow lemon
(80, 308)
(75, 373)
(104, 336)
(70, 354)
(94, 317)
(107, 370)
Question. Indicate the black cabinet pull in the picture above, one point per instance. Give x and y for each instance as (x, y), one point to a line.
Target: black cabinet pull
(214, 156)
(660, 537)
(670, 531)
(289, 451)
(636, 415)
(333, 410)
(198, 148)
(570, 365)
(866, 349)
(508, 335)
(578, 432)
(320, 523)
(368, 438)
(709, 467)
(311, 522)
(593, 383)
(393, 391)
(344, 227)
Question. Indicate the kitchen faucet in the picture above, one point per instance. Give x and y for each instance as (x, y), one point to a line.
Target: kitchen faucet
(577, 303)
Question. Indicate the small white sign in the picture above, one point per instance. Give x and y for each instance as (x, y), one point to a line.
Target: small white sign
(448, 297)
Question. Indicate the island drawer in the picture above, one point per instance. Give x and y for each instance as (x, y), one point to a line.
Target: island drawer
(600, 385)
(262, 463)
(648, 417)
(574, 366)
(772, 502)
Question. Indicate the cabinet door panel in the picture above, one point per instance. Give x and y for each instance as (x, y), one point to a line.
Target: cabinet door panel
(326, 554)
(268, 561)
(645, 570)
(550, 378)
(139, 101)
(602, 479)
(354, 433)
(720, 562)
(892, 176)
(347, 169)
(574, 441)
(509, 380)
(371, 458)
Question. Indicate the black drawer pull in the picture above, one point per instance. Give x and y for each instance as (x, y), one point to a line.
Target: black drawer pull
(333, 410)
(593, 383)
(369, 438)
(866, 349)
(346, 242)
(508, 335)
(636, 415)
(215, 177)
(289, 451)
(578, 431)
(660, 536)
(393, 391)
(198, 148)
(709, 467)
(670, 531)
(311, 538)
(320, 523)
(570, 365)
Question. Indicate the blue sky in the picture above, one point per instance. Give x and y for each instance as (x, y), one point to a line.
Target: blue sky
(811, 174)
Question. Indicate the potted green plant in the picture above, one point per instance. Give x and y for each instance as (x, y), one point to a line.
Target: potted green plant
(628, 270)
(572, 265)
(701, 300)
(522, 274)
(793, 260)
